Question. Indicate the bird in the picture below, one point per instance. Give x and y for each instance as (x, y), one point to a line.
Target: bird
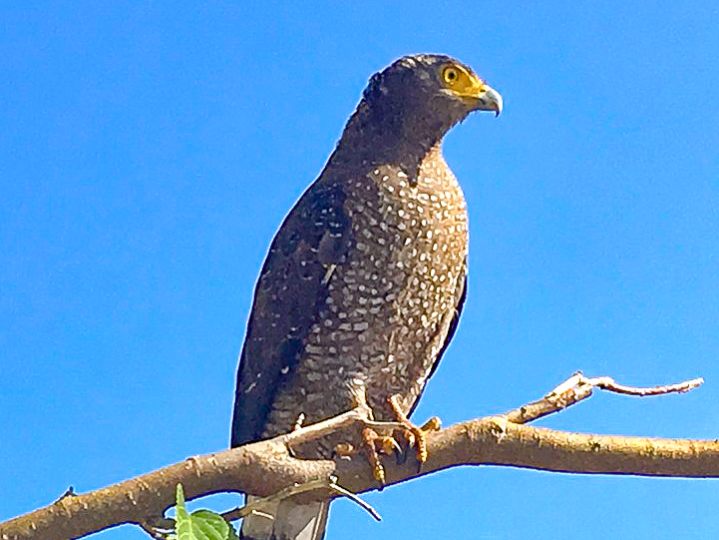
(365, 280)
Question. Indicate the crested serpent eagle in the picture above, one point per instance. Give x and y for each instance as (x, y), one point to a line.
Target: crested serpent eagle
(365, 280)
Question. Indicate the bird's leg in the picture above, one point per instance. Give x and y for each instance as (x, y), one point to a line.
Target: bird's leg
(370, 438)
(375, 445)
(415, 435)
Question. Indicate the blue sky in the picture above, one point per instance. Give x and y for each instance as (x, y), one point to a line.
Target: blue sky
(149, 150)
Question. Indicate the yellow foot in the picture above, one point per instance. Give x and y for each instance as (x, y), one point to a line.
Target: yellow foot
(372, 442)
(374, 445)
(416, 436)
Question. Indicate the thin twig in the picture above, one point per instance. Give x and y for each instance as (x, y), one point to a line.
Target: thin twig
(315, 431)
(321, 483)
(353, 497)
(296, 489)
(383, 425)
(157, 533)
(607, 383)
(69, 492)
(578, 388)
(361, 414)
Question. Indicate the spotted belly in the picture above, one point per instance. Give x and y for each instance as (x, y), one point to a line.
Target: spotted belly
(389, 305)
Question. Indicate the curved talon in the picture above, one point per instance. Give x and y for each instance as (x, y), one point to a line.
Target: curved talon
(376, 445)
(387, 445)
(416, 436)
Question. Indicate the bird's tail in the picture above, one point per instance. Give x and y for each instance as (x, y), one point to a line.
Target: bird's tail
(286, 520)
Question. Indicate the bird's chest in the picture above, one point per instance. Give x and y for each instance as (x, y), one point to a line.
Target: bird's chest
(389, 303)
(397, 292)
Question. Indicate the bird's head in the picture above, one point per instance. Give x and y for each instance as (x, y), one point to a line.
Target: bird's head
(409, 106)
(427, 93)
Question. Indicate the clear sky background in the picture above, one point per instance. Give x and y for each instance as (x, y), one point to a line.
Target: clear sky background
(149, 150)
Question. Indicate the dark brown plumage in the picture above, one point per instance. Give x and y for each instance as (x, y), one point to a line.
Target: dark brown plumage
(365, 279)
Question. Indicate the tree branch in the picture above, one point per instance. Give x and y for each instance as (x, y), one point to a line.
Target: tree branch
(578, 388)
(266, 467)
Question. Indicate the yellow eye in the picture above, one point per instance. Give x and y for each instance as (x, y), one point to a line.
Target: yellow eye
(450, 75)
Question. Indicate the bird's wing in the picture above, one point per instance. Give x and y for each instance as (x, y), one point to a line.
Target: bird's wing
(289, 294)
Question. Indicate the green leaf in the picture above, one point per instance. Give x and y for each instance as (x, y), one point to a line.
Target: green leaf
(180, 509)
(201, 524)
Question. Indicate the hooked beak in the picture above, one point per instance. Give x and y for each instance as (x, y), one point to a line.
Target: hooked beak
(488, 99)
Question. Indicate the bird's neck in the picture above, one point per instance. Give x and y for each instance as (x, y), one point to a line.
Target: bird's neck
(373, 138)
